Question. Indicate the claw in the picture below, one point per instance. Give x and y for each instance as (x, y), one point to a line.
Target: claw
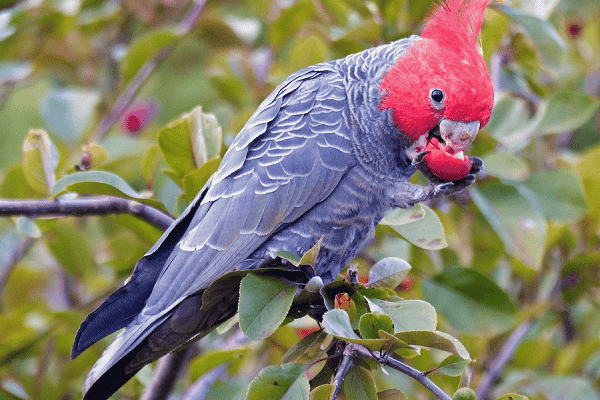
(419, 158)
(477, 165)
(442, 189)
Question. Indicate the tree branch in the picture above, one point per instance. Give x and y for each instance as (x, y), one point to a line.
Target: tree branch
(506, 352)
(167, 372)
(136, 83)
(17, 254)
(348, 360)
(81, 206)
(405, 369)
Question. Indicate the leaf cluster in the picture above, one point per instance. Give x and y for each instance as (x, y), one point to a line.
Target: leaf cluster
(521, 247)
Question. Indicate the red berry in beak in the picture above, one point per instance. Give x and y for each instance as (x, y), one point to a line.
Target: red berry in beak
(444, 163)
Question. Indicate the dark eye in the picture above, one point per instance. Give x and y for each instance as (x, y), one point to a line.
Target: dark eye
(437, 95)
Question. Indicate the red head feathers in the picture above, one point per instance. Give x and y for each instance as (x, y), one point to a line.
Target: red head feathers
(446, 59)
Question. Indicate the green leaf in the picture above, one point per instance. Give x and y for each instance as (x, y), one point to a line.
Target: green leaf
(194, 181)
(401, 216)
(40, 158)
(15, 185)
(306, 348)
(517, 218)
(589, 174)
(435, 340)
(206, 135)
(407, 315)
(388, 273)
(470, 302)
(560, 194)
(69, 112)
(391, 394)
(452, 365)
(175, 144)
(144, 47)
(264, 303)
(566, 111)
(285, 382)
(322, 392)
(71, 248)
(208, 361)
(426, 233)
(310, 257)
(546, 39)
(506, 165)
(291, 257)
(511, 123)
(150, 162)
(371, 323)
(190, 141)
(359, 384)
(290, 20)
(464, 393)
(512, 396)
(393, 344)
(100, 182)
(337, 323)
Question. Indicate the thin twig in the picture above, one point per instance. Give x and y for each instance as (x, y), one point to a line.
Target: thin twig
(497, 365)
(167, 372)
(15, 257)
(136, 83)
(405, 369)
(81, 206)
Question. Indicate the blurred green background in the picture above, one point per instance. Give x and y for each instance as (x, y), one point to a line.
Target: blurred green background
(528, 227)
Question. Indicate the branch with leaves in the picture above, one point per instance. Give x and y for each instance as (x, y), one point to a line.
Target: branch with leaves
(136, 83)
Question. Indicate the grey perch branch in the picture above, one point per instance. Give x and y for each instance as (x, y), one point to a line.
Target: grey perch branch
(405, 369)
(81, 206)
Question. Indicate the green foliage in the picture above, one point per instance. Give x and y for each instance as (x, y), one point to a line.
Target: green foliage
(442, 285)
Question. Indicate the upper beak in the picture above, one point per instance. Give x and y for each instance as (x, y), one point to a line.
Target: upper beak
(458, 135)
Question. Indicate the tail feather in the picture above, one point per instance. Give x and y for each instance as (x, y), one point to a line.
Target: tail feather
(121, 307)
(186, 324)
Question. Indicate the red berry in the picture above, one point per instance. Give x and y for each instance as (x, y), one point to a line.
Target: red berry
(443, 163)
(138, 116)
(405, 285)
(574, 29)
(133, 123)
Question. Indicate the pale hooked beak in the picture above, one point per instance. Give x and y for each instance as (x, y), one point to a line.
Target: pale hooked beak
(458, 135)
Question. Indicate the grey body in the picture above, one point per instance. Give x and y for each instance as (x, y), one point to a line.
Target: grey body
(317, 158)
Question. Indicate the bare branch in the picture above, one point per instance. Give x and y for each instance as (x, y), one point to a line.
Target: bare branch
(348, 360)
(167, 372)
(136, 83)
(506, 352)
(17, 254)
(417, 375)
(81, 206)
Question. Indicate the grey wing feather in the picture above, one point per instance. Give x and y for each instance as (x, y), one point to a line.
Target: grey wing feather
(277, 168)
